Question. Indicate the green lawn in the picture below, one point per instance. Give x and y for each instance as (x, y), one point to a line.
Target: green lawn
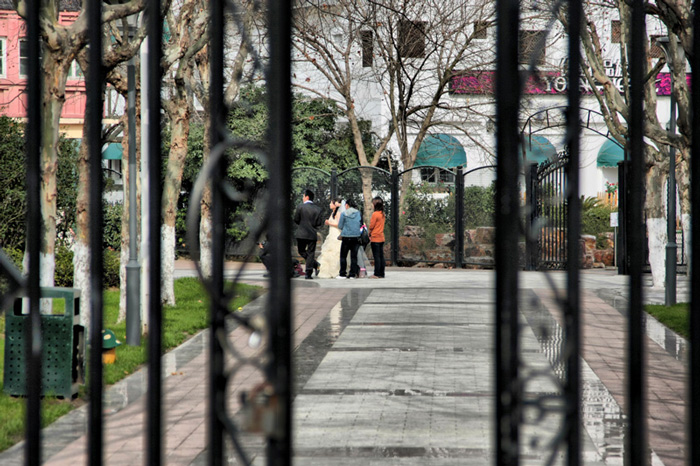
(673, 317)
(189, 316)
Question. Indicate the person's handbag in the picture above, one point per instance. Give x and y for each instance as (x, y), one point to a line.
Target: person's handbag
(364, 236)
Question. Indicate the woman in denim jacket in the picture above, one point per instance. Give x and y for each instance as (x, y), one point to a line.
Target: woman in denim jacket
(349, 225)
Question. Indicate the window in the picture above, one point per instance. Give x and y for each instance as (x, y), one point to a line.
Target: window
(530, 45)
(615, 31)
(75, 72)
(481, 30)
(3, 56)
(412, 39)
(435, 175)
(655, 50)
(23, 57)
(367, 48)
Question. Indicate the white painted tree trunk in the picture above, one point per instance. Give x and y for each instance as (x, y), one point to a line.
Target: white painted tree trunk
(47, 266)
(167, 288)
(205, 245)
(685, 224)
(81, 280)
(656, 229)
(123, 260)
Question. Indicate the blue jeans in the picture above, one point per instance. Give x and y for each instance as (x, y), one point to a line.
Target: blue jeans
(351, 245)
(379, 262)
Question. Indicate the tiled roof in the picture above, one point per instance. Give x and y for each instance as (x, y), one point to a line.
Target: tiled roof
(66, 5)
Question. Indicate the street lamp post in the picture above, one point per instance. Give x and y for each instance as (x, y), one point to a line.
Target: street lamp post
(133, 268)
(671, 246)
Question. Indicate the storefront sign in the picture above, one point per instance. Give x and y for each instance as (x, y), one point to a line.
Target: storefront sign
(546, 83)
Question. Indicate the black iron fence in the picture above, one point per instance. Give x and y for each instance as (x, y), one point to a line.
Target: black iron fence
(432, 219)
(275, 359)
(548, 220)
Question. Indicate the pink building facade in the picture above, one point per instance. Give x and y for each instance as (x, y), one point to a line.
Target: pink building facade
(13, 66)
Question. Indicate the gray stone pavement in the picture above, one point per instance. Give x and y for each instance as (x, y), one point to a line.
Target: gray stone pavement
(400, 371)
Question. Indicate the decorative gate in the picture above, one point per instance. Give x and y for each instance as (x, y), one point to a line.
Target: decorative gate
(557, 216)
(550, 209)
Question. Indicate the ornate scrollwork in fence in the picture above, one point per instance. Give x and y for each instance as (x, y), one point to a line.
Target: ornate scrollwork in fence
(248, 203)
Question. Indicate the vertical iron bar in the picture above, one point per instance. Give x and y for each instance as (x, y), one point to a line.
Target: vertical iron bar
(34, 234)
(508, 396)
(671, 246)
(459, 218)
(530, 190)
(636, 445)
(217, 387)
(551, 219)
(94, 122)
(622, 186)
(334, 183)
(546, 203)
(155, 318)
(694, 311)
(573, 254)
(279, 370)
(394, 217)
(538, 213)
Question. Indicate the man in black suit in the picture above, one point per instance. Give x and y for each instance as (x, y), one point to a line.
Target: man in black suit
(309, 218)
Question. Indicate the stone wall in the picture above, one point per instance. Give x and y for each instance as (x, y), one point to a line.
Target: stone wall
(479, 249)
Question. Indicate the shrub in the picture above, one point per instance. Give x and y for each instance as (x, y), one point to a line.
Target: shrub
(13, 201)
(63, 276)
(601, 241)
(111, 268)
(422, 208)
(112, 235)
(479, 207)
(595, 217)
(17, 255)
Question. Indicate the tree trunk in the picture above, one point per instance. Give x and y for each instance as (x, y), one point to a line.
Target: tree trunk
(205, 225)
(656, 224)
(180, 124)
(367, 193)
(81, 247)
(683, 180)
(54, 85)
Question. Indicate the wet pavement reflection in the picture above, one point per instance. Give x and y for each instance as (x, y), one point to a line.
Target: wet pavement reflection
(602, 417)
(315, 346)
(672, 343)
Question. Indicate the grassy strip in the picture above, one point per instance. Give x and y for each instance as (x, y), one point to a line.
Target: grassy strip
(180, 322)
(674, 317)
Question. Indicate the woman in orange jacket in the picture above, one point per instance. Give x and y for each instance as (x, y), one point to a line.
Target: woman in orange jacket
(376, 237)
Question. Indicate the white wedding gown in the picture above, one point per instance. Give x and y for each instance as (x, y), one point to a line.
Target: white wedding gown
(330, 254)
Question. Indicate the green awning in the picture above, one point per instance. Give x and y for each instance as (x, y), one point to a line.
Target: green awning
(441, 150)
(538, 149)
(113, 151)
(610, 153)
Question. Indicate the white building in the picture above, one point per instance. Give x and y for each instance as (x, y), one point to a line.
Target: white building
(429, 48)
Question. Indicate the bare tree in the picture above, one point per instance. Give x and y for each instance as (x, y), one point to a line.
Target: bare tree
(614, 102)
(61, 45)
(187, 22)
(125, 42)
(241, 34)
(396, 58)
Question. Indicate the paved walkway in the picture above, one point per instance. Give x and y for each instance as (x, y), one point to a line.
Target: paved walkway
(400, 371)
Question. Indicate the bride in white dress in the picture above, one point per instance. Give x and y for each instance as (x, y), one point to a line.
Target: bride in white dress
(330, 250)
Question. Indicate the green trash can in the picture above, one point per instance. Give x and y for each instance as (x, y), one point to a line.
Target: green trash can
(63, 347)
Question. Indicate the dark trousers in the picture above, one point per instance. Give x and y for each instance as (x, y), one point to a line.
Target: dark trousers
(307, 250)
(350, 245)
(379, 262)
